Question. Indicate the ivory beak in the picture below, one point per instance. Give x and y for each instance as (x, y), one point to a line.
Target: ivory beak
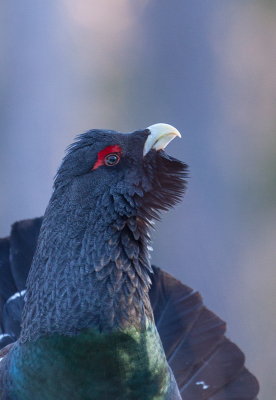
(160, 137)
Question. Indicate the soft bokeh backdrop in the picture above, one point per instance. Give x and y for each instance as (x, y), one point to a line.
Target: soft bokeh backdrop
(206, 67)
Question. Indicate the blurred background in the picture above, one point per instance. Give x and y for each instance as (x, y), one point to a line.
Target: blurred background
(209, 69)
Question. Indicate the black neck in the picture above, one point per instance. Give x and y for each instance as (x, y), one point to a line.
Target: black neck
(91, 269)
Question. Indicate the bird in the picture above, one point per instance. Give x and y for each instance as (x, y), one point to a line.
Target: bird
(84, 314)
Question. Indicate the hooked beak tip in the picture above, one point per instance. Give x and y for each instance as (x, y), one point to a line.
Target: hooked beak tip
(159, 137)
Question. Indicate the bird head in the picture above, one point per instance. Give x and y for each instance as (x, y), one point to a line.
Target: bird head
(130, 169)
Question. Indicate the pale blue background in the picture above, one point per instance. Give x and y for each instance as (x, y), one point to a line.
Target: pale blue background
(206, 67)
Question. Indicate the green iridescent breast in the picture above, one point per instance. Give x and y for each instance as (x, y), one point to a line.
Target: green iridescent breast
(121, 365)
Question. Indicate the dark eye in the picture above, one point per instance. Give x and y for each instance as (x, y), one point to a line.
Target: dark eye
(111, 159)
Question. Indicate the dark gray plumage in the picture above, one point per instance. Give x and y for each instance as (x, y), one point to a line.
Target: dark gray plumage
(89, 288)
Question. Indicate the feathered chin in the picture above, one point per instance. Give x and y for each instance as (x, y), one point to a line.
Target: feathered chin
(168, 177)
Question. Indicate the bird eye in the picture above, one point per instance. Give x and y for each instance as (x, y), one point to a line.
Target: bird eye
(111, 159)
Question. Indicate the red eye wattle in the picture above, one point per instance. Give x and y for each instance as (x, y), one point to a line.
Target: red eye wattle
(110, 156)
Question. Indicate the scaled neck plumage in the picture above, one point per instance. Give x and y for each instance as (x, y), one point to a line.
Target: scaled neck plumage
(91, 268)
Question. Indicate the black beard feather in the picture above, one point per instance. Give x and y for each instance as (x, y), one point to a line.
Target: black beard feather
(167, 175)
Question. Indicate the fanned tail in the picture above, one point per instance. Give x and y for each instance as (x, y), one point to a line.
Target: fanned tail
(16, 254)
(205, 363)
